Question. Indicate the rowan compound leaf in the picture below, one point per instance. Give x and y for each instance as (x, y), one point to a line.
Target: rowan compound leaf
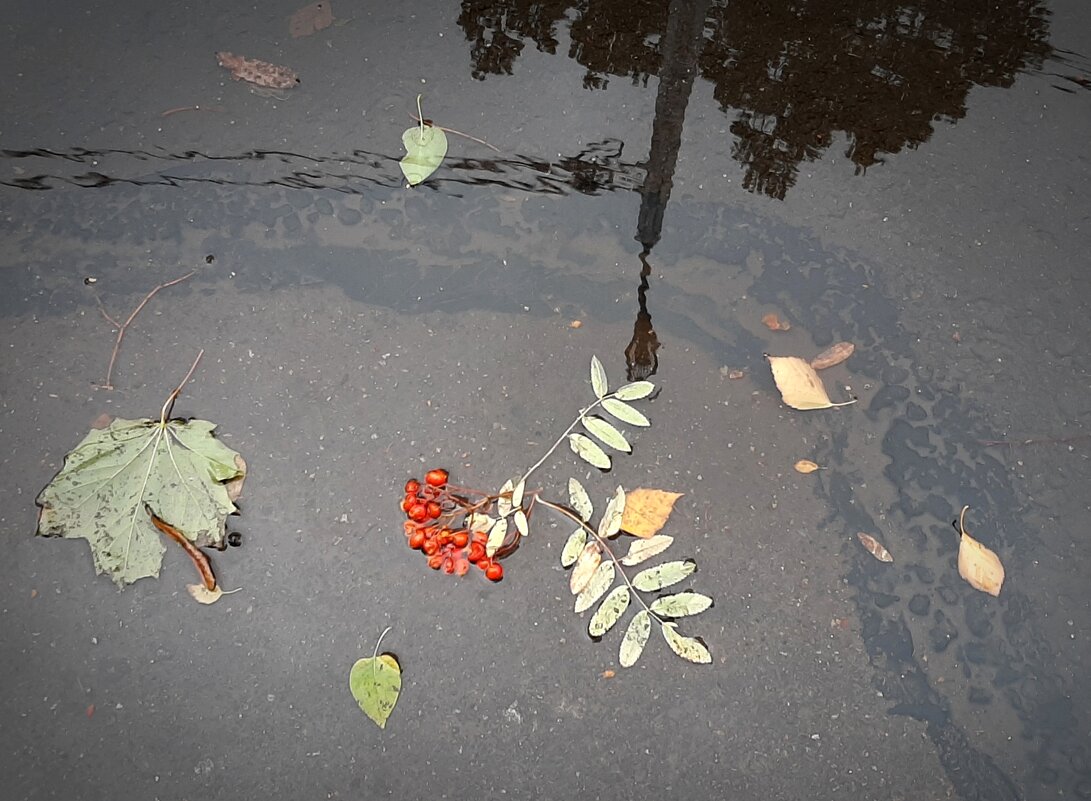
(376, 683)
(681, 604)
(610, 611)
(497, 534)
(586, 565)
(580, 500)
(521, 525)
(636, 637)
(624, 412)
(642, 550)
(689, 648)
(607, 433)
(504, 503)
(834, 354)
(635, 391)
(874, 547)
(799, 385)
(664, 575)
(586, 449)
(479, 522)
(600, 582)
(573, 547)
(647, 510)
(610, 524)
(178, 468)
(425, 149)
(598, 377)
(978, 565)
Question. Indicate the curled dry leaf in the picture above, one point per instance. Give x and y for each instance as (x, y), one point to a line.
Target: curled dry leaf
(977, 564)
(647, 510)
(774, 323)
(806, 466)
(834, 354)
(799, 385)
(874, 547)
(311, 19)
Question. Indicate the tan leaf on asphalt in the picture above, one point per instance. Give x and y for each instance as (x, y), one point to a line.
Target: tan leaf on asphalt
(806, 466)
(799, 385)
(647, 510)
(980, 567)
(874, 547)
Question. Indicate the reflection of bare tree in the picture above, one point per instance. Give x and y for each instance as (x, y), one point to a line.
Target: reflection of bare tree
(879, 71)
(792, 74)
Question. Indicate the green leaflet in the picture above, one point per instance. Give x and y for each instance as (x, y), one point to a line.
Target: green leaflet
(681, 604)
(585, 447)
(179, 468)
(600, 582)
(573, 547)
(610, 524)
(624, 412)
(610, 611)
(376, 683)
(607, 433)
(635, 391)
(664, 575)
(636, 637)
(689, 648)
(598, 377)
(580, 500)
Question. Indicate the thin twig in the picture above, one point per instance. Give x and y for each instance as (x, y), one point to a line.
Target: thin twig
(123, 327)
(168, 406)
(178, 110)
(457, 133)
(990, 443)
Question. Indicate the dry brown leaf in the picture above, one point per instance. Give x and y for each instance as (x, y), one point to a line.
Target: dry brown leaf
(734, 375)
(311, 19)
(575, 324)
(203, 595)
(234, 486)
(102, 421)
(799, 385)
(774, 323)
(257, 72)
(834, 354)
(589, 560)
(874, 547)
(608, 674)
(805, 466)
(980, 567)
(647, 510)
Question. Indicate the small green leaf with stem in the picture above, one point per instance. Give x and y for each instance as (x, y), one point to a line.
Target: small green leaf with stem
(376, 683)
(425, 147)
(598, 378)
(609, 611)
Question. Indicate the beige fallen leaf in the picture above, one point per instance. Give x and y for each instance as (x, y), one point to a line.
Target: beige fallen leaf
(834, 354)
(647, 510)
(980, 567)
(874, 547)
(735, 375)
(585, 568)
(575, 324)
(799, 385)
(774, 323)
(805, 466)
(311, 19)
(203, 595)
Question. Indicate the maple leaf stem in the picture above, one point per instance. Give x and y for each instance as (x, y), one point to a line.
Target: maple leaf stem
(168, 405)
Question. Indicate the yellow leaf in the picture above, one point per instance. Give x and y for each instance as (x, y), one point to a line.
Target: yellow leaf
(874, 547)
(977, 564)
(806, 466)
(647, 510)
(589, 560)
(799, 385)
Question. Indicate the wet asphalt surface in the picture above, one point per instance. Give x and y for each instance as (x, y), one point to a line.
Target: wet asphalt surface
(913, 184)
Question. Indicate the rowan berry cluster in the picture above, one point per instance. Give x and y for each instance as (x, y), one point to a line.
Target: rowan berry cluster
(432, 510)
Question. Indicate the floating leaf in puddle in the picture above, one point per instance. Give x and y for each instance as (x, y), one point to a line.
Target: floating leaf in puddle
(977, 564)
(799, 385)
(874, 547)
(774, 323)
(425, 147)
(834, 354)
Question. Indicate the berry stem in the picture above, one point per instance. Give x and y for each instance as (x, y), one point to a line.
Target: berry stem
(579, 419)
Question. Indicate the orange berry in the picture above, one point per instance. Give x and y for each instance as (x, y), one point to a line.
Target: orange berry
(411, 486)
(418, 513)
(434, 509)
(448, 565)
(462, 539)
(436, 478)
(430, 547)
(416, 541)
(495, 572)
(435, 562)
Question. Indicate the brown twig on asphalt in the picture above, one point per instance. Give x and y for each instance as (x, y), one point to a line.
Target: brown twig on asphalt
(457, 133)
(123, 327)
(989, 443)
(179, 109)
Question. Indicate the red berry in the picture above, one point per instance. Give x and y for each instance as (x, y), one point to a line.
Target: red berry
(462, 539)
(495, 572)
(435, 562)
(430, 547)
(436, 478)
(448, 565)
(418, 513)
(416, 541)
(411, 486)
(434, 509)
(408, 502)
(484, 563)
(477, 552)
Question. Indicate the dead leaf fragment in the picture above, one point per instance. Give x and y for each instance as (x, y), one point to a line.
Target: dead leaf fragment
(102, 421)
(980, 567)
(735, 375)
(203, 595)
(608, 674)
(805, 466)
(575, 324)
(585, 568)
(874, 547)
(310, 19)
(799, 385)
(834, 354)
(90, 710)
(647, 510)
(257, 72)
(774, 323)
